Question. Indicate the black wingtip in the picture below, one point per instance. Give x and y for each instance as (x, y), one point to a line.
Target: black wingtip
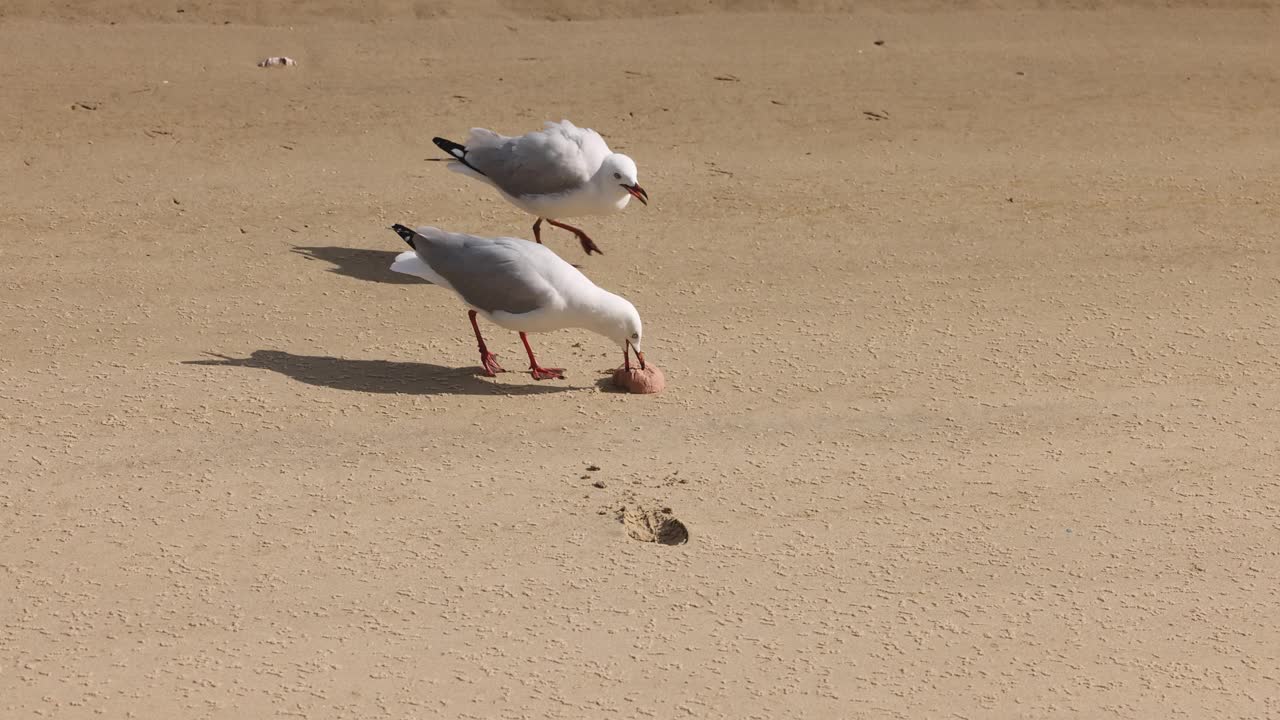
(405, 234)
(456, 151)
(451, 147)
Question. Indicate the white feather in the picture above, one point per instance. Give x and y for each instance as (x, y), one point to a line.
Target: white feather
(409, 263)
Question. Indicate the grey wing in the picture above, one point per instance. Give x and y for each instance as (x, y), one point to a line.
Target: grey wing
(489, 274)
(594, 148)
(541, 163)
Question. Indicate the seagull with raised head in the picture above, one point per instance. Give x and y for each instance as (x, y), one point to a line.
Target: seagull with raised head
(557, 172)
(520, 286)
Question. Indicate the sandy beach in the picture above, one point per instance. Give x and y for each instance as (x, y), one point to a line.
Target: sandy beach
(968, 313)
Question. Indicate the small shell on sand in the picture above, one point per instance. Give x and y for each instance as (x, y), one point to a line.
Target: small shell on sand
(640, 382)
(277, 62)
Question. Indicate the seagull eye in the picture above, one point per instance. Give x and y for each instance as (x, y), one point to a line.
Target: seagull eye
(617, 176)
(635, 336)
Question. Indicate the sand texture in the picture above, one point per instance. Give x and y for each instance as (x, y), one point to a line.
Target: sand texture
(971, 335)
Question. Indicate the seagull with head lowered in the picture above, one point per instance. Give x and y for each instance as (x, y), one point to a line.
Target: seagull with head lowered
(557, 172)
(520, 286)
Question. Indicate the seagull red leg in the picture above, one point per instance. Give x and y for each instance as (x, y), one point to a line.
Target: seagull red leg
(487, 359)
(539, 372)
(587, 245)
(537, 231)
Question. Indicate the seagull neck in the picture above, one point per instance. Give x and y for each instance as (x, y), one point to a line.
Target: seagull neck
(596, 185)
(604, 186)
(599, 311)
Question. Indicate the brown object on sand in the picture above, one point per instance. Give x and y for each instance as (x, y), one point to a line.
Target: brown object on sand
(640, 382)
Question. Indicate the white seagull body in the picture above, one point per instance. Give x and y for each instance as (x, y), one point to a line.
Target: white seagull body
(557, 172)
(520, 286)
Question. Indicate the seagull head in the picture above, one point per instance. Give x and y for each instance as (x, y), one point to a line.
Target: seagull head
(617, 319)
(618, 174)
(632, 341)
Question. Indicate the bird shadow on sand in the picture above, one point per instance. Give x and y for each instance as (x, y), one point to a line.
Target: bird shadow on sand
(361, 264)
(377, 376)
(605, 384)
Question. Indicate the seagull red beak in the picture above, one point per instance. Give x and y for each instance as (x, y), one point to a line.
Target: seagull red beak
(638, 192)
(626, 356)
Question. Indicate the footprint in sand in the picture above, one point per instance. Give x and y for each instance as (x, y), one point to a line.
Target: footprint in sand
(658, 526)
